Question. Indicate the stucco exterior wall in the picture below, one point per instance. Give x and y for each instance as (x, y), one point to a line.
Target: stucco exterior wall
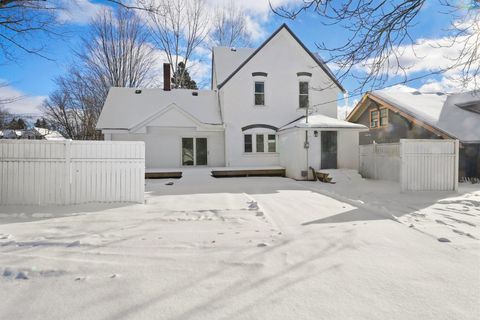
(163, 146)
(281, 59)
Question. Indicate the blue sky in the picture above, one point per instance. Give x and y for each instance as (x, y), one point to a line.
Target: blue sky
(34, 77)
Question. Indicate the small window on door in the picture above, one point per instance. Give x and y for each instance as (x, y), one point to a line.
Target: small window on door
(303, 94)
(259, 93)
(247, 143)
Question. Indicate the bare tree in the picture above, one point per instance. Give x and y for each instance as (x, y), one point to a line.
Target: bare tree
(178, 27)
(229, 26)
(379, 31)
(22, 21)
(115, 53)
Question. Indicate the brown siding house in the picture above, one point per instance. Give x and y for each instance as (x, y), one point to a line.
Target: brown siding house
(392, 115)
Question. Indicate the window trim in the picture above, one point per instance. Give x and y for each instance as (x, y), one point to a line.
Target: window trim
(304, 94)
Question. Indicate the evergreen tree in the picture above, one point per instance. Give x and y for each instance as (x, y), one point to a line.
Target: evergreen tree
(41, 123)
(17, 124)
(181, 78)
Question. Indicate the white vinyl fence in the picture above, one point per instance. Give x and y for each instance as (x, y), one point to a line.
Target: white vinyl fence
(38, 172)
(418, 165)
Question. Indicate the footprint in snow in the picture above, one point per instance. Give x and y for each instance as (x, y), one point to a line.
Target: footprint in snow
(114, 275)
(7, 273)
(22, 275)
(74, 244)
(443, 240)
(252, 205)
(262, 245)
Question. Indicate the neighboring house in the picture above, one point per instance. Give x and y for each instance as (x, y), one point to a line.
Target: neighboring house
(32, 134)
(47, 134)
(253, 116)
(393, 114)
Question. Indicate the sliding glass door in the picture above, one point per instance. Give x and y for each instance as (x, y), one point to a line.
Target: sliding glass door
(194, 151)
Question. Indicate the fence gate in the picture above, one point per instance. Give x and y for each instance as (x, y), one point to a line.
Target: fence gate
(418, 165)
(428, 165)
(38, 172)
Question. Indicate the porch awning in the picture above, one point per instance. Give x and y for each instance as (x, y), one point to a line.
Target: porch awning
(319, 121)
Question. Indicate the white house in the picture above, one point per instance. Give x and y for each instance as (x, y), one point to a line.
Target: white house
(253, 116)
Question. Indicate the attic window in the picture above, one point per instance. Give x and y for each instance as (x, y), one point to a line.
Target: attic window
(473, 106)
(195, 93)
(138, 91)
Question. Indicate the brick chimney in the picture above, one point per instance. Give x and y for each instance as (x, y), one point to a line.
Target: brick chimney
(166, 77)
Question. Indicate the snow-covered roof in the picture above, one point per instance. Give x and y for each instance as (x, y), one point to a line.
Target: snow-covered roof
(227, 60)
(124, 109)
(321, 121)
(439, 110)
(48, 134)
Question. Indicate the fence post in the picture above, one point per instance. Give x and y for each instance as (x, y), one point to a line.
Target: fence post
(457, 156)
(401, 151)
(68, 172)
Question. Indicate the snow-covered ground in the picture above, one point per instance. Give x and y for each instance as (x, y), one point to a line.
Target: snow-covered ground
(247, 248)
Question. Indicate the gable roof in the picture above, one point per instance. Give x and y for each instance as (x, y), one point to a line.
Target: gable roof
(438, 112)
(320, 63)
(125, 109)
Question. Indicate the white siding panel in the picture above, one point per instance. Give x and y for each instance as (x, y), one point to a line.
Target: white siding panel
(71, 172)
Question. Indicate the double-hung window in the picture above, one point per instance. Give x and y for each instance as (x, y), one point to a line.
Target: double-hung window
(260, 143)
(303, 94)
(247, 143)
(272, 143)
(383, 117)
(378, 118)
(374, 119)
(259, 93)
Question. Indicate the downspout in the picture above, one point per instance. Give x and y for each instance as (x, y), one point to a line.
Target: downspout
(306, 143)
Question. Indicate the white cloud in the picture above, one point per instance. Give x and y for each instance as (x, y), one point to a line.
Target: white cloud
(25, 104)
(199, 69)
(441, 57)
(79, 11)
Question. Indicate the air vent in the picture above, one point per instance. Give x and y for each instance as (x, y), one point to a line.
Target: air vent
(138, 91)
(195, 93)
(417, 93)
(233, 49)
(440, 94)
